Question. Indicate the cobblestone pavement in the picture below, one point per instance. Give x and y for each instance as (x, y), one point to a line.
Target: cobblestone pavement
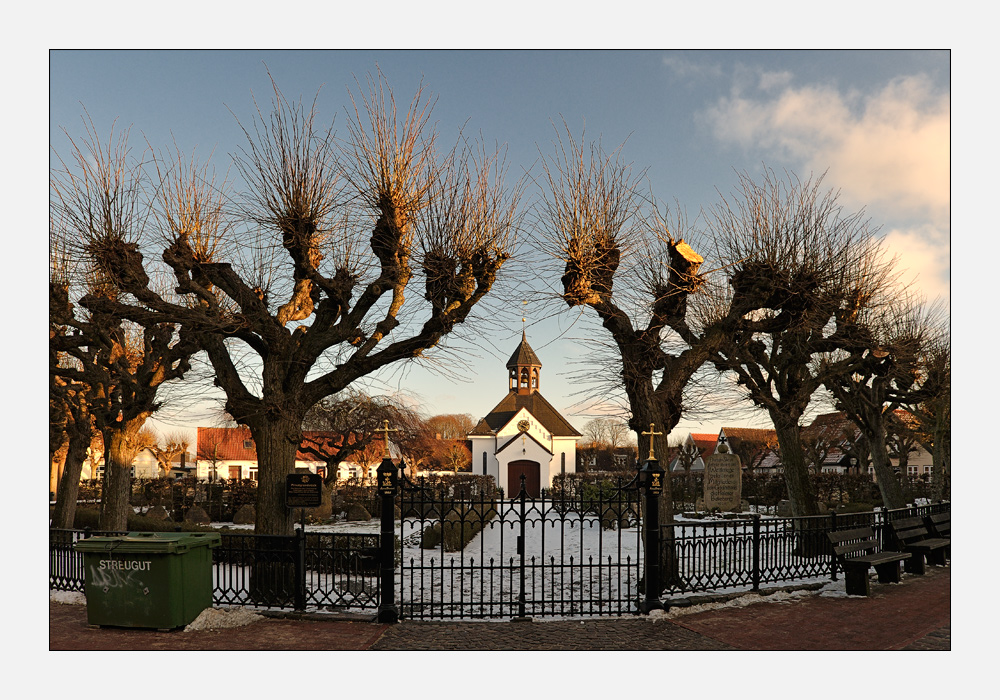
(912, 615)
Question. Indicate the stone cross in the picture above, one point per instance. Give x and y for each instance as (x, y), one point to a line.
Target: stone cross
(386, 429)
(652, 436)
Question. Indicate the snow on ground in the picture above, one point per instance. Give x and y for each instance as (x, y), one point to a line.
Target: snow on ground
(223, 618)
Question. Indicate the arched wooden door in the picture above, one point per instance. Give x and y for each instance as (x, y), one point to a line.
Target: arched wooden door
(532, 478)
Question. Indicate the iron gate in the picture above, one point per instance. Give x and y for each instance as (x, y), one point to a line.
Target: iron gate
(481, 555)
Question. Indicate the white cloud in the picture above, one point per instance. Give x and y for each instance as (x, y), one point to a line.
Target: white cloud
(923, 259)
(888, 151)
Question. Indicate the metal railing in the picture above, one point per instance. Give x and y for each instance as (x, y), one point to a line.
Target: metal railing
(317, 571)
(757, 550)
(525, 557)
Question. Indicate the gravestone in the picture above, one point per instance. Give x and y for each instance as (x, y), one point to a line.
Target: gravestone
(158, 513)
(245, 515)
(197, 514)
(723, 484)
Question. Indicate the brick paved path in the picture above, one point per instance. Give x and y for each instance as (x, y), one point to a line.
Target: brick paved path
(913, 615)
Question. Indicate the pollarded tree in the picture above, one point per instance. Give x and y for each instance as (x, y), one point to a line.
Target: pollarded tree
(115, 367)
(801, 271)
(930, 405)
(316, 309)
(637, 276)
(884, 377)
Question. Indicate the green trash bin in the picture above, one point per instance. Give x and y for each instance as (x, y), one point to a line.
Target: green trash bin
(161, 580)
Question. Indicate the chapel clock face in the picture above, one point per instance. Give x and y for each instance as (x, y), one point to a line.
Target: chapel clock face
(523, 426)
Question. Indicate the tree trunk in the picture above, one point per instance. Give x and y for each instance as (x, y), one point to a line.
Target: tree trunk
(940, 471)
(69, 483)
(276, 441)
(801, 494)
(116, 493)
(885, 476)
(272, 579)
(57, 463)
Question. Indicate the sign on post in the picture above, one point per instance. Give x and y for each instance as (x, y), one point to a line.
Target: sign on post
(303, 491)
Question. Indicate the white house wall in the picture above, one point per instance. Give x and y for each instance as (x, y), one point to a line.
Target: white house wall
(550, 457)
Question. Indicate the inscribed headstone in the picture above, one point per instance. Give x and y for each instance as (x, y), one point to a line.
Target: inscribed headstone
(723, 481)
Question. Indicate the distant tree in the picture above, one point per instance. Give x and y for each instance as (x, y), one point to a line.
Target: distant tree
(166, 449)
(451, 426)
(283, 294)
(356, 418)
(687, 454)
(800, 271)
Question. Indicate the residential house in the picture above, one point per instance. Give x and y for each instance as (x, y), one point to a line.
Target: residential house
(757, 448)
(694, 451)
(230, 453)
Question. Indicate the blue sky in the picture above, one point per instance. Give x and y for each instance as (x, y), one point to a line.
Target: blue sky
(877, 121)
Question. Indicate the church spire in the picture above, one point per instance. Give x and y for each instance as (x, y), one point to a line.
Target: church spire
(524, 368)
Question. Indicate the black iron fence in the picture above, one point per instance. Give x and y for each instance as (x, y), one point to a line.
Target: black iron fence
(313, 571)
(525, 556)
(444, 554)
(755, 550)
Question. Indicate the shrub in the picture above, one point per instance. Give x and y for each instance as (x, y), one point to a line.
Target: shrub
(460, 525)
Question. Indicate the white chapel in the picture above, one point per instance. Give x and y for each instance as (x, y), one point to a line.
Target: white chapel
(524, 434)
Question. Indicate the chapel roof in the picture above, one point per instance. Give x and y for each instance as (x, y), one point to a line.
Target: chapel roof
(535, 404)
(523, 355)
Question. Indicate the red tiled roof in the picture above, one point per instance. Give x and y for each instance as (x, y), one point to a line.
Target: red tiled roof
(236, 444)
(705, 442)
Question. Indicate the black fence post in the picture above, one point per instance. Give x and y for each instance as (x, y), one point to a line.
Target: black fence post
(300, 569)
(388, 481)
(651, 481)
(756, 551)
(833, 555)
(523, 497)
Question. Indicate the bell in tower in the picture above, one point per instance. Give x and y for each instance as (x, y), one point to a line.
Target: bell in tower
(524, 369)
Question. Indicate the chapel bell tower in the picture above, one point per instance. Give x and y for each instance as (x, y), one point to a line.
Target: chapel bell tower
(524, 369)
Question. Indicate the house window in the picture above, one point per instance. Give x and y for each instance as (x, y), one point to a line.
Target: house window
(484, 464)
(563, 465)
(911, 471)
(253, 473)
(248, 444)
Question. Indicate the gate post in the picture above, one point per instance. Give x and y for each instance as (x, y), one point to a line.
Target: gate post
(388, 480)
(523, 497)
(300, 569)
(651, 481)
(755, 575)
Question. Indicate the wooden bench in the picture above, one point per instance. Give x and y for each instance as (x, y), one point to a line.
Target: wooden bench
(939, 525)
(912, 536)
(857, 550)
